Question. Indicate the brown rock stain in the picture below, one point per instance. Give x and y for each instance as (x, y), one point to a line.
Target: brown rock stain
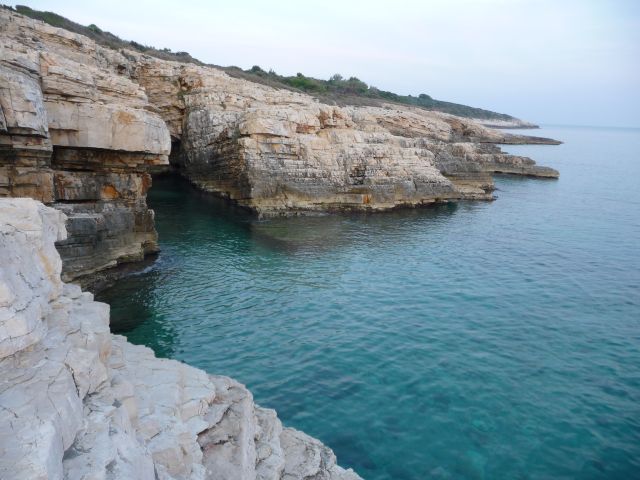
(48, 267)
(125, 118)
(109, 192)
(146, 183)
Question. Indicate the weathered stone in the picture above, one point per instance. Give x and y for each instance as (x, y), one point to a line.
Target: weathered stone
(79, 403)
(78, 135)
(30, 276)
(277, 151)
(306, 457)
(82, 125)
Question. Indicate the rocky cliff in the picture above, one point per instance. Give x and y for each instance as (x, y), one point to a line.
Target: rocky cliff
(78, 137)
(77, 402)
(81, 127)
(276, 151)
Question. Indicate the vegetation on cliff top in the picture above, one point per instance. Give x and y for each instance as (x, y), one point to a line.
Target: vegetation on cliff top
(336, 90)
(353, 91)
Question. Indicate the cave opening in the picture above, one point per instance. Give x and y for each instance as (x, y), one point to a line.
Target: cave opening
(175, 156)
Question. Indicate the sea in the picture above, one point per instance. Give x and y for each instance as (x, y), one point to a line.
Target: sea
(471, 340)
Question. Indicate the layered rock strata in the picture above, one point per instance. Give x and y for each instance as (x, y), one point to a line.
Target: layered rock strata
(77, 402)
(276, 151)
(82, 125)
(80, 138)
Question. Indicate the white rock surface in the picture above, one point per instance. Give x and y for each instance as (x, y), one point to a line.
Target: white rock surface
(79, 403)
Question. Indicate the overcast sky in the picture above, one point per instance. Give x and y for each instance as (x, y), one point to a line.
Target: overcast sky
(547, 61)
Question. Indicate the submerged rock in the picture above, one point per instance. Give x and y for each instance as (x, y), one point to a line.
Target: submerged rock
(77, 402)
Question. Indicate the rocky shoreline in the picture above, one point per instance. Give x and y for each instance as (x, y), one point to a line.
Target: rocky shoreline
(77, 402)
(83, 126)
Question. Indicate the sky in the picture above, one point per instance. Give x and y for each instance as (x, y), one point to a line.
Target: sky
(573, 62)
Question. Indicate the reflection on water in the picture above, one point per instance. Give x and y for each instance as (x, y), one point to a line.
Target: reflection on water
(320, 234)
(477, 340)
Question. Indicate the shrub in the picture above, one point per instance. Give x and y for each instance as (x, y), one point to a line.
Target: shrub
(94, 28)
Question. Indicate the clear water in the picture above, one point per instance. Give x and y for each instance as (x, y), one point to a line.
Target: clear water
(492, 340)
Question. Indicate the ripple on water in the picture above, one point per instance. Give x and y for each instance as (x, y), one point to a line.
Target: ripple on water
(478, 340)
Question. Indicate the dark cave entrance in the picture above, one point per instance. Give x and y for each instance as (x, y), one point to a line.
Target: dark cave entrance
(175, 156)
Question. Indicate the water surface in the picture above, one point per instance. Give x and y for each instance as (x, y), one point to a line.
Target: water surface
(495, 340)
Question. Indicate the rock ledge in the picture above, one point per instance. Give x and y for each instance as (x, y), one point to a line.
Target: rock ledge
(77, 402)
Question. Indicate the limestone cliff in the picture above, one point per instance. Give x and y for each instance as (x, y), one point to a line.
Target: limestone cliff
(82, 125)
(277, 151)
(80, 138)
(77, 402)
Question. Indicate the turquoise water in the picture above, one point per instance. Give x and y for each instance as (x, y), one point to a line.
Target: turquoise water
(492, 340)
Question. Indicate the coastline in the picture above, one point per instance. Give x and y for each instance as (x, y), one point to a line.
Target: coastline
(89, 403)
(96, 122)
(84, 127)
(410, 288)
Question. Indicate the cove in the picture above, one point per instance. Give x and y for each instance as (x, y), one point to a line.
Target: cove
(469, 340)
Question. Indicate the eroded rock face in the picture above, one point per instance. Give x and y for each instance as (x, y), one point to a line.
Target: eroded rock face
(80, 137)
(77, 402)
(277, 151)
(81, 125)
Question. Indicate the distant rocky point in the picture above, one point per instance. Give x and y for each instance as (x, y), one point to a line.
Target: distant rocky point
(510, 123)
